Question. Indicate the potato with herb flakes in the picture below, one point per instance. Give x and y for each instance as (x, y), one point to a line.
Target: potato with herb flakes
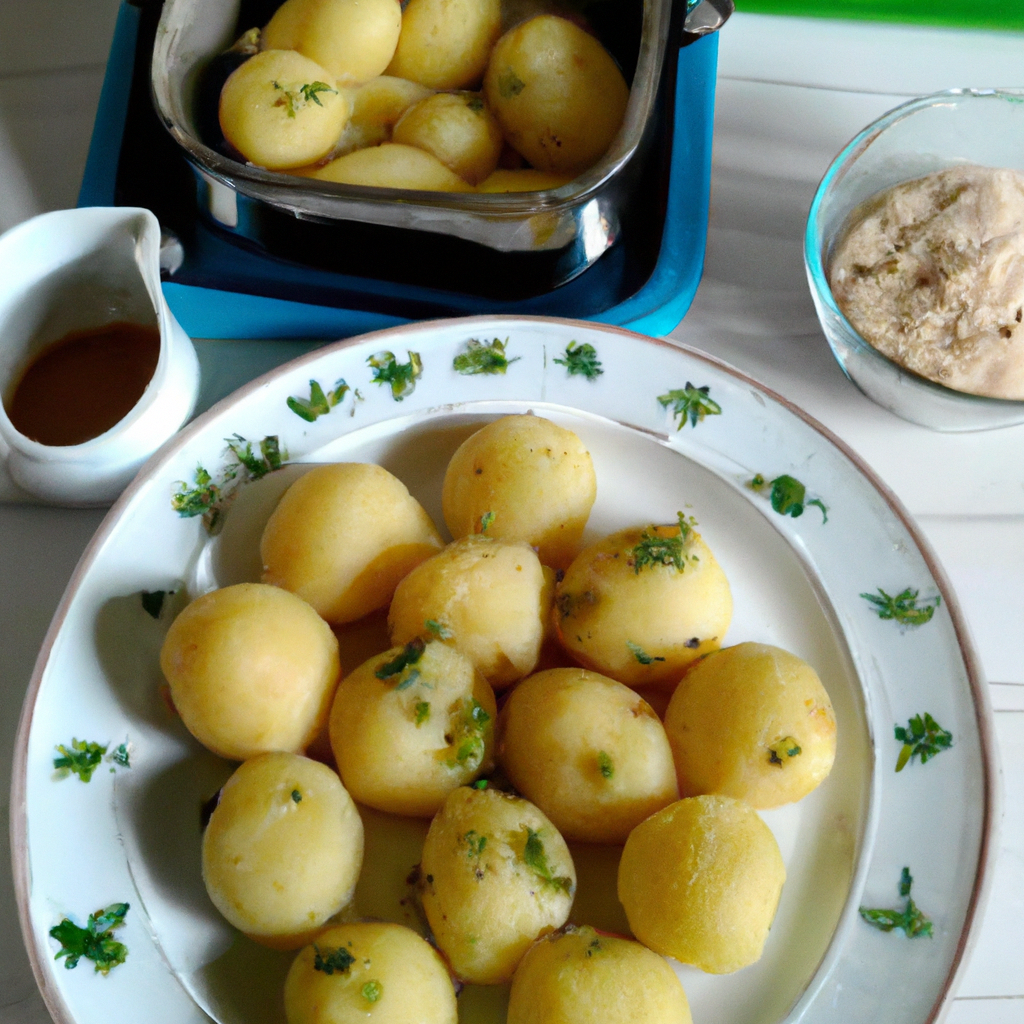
(281, 110)
(353, 39)
(283, 849)
(251, 669)
(644, 603)
(342, 536)
(753, 722)
(369, 969)
(588, 751)
(578, 976)
(458, 129)
(534, 479)
(700, 881)
(391, 165)
(495, 875)
(556, 92)
(490, 599)
(410, 725)
(376, 108)
(445, 44)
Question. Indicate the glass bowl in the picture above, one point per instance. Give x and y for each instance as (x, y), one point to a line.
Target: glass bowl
(928, 134)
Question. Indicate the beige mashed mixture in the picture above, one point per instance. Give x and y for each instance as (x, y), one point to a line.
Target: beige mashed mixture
(931, 273)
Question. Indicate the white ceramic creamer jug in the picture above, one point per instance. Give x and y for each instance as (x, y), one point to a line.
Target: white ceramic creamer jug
(75, 270)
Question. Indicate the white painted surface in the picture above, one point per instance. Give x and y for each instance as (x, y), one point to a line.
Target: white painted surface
(774, 139)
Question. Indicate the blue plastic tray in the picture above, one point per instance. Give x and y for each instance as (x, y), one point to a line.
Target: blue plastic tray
(655, 309)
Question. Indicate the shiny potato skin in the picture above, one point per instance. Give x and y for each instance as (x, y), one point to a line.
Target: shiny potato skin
(395, 977)
(445, 43)
(535, 476)
(588, 751)
(376, 107)
(251, 669)
(267, 117)
(556, 92)
(495, 875)
(342, 536)
(402, 743)
(283, 848)
(392, 165)
(753, 722)
(700, 881)
(642, 624)
(578, 976)
(493, 597)
(458, 129)
(353, 39)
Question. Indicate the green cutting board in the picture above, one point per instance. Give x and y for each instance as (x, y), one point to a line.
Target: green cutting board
(992, 14)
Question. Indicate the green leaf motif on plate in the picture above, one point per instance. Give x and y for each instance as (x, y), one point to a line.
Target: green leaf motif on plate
(690, 403)
(95, 941)
(82, 758)
(922, 737)
(788, 495)
(910, 920)
(320, 402)
(903, 607)
(483, 357)
(581, 361)
(400, 377)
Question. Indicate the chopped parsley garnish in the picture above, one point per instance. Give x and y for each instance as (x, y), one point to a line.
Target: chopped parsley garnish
(641, 655)
(781, 751)
(309, 92)
(339, 960)
(594, 946)
(409, 655)
(788, 496)
(95, 941)
(923, 737)
(480, 784)
(483, 356)
(294, 99)
(422, 712)
(438, 629)
(372, 991)
(910, 919)
(468, 738)
(82, 758)
(296, 796)
(209, 499)
(319, 403)
(903, 607)
(401, 377)
(535, 858)
(486, 520)
(691, 404)
(475, 843)
(475, 103)
(581, 360)
(653, 549)
(510, 84)
(604, 764)
(153, 601)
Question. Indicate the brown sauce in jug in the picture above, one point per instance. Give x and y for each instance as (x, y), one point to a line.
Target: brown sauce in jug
(83, 384)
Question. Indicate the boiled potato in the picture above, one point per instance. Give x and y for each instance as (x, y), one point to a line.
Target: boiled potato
(577, 976)
(342, 536)
(376, 107)
(522, 179)
(495, 875)
(354, 39)
(410, 725)
(281, 110)
(556, 92)
(588, 752)
(642, 604)
(353, 972)
(391, 165)
(445, 43)
(251, 668)
(535, 478)
(753, 722)
(283, 848)
(489, 598)
(700, 881)
(458, 129)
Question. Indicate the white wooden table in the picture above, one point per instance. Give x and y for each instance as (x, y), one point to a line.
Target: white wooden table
(790, 94)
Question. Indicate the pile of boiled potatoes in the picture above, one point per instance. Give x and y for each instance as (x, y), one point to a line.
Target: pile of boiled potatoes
(430, 97)
(568, 639)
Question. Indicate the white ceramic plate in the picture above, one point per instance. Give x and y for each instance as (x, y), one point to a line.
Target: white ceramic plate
(133, 834)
